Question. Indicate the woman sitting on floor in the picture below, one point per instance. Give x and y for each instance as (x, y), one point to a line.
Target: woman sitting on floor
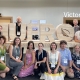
(29, 60)
(15, 53)
(76, 61)
(54, 71)
(3, 68)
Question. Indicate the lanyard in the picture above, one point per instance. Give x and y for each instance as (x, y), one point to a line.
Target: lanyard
(39, 54)
(17, 51)
(17, 29)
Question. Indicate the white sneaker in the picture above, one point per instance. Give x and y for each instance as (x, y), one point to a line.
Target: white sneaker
(42, 76)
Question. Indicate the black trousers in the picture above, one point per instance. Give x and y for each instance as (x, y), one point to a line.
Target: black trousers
(41, 68)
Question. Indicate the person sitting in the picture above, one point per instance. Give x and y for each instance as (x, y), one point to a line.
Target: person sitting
(3, 68)
(76, 61)
(15, 53)
(66, 59)
(29, 60)
(40, 63)
(53, 64)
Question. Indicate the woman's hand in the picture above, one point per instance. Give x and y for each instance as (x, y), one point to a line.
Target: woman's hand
(49, 71)
(18, 60)
(25, 67)
(35, 65)
(55, 71)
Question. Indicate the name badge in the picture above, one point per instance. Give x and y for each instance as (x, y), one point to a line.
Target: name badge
(78, 61)
(2, 58)
(17, 57)
(65, 61)
(53, 65)
(18, 33)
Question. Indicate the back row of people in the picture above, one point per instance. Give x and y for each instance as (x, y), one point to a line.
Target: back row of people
(39, 62)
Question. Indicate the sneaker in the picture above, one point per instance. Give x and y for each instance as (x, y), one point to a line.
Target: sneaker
(42, 76)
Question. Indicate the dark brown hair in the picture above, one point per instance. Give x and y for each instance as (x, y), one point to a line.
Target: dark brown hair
(51, 44)
(3, 38)
(41, 43)
(29, 44)
(63, 41)
(15, 43)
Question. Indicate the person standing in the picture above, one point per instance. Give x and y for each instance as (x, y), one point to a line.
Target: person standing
(75, 23)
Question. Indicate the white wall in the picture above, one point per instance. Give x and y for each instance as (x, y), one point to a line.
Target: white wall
(50, 10)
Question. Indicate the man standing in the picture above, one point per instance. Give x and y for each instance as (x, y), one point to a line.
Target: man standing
(75, 23)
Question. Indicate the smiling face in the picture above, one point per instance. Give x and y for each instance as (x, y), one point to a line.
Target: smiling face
(17, 41)
(53, 46)
(2, 40)
(63, 46)
(19, 20)
(75, 22)
(31, 46)
(40, 46)
(77, 49)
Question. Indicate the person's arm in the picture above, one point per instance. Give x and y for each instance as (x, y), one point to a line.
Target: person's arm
(47, 61)
(75, 67)
(44, 58)
(70, 59)
(2, 62)
(25, 60)
(20, 53)
(33, 59)
(58, 64)
(75, 39)
(10, 53)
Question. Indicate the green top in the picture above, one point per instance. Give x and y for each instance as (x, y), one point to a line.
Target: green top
(2, 53)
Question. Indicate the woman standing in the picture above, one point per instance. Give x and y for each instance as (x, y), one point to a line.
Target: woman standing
(29, 60)
(76, 61)
(15, 53)
(3, 67)
(40, 63)
(53, 63)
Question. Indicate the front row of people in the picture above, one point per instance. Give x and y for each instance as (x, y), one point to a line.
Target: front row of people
(40, 62)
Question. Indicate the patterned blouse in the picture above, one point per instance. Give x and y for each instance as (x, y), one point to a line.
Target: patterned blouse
(76, 60)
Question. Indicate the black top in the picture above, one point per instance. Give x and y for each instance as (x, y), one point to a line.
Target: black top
(41, 56)
(18, 29)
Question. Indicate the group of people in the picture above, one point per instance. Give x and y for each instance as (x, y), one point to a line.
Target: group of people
(46, 64)
(39, 62)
